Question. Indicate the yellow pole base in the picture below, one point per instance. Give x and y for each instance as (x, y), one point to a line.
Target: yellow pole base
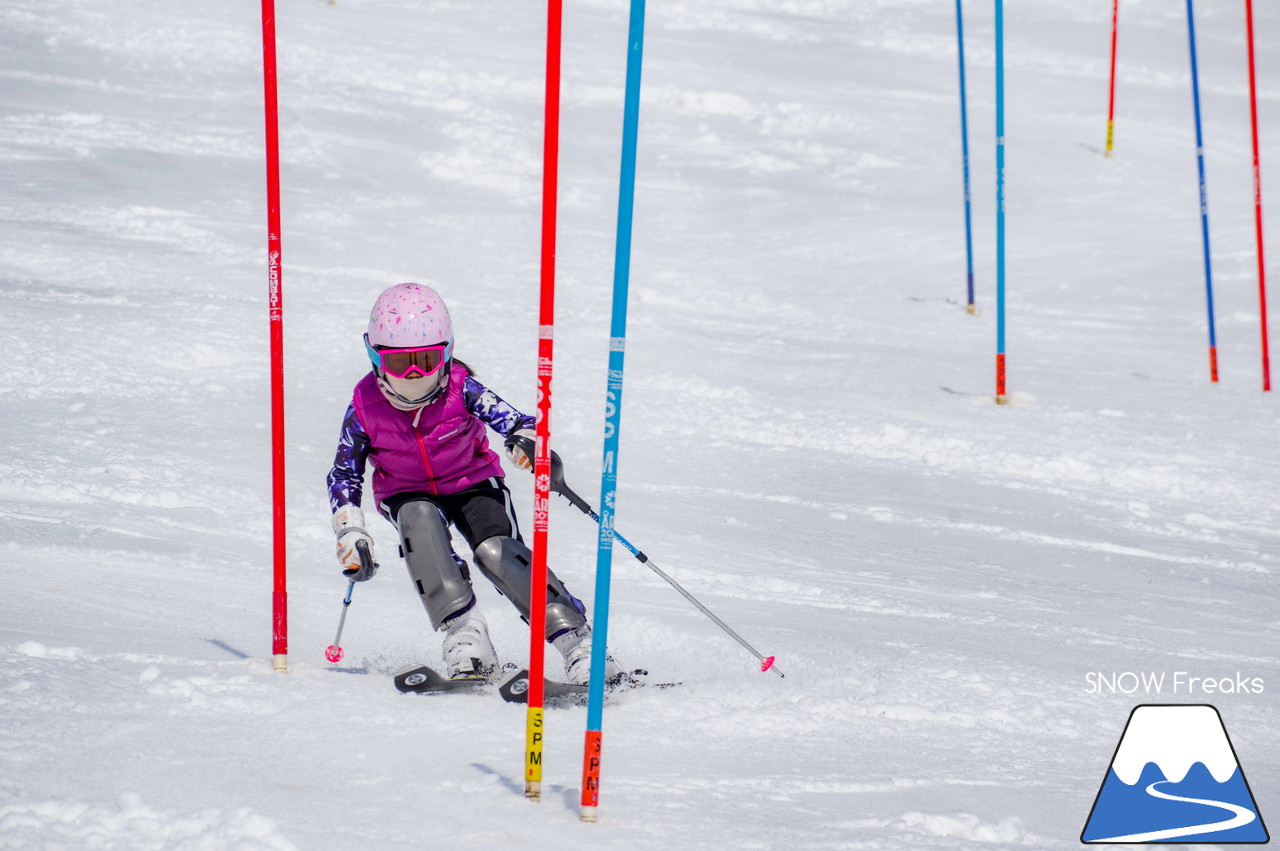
(533, 754)
(1002, 400)
(280, 662)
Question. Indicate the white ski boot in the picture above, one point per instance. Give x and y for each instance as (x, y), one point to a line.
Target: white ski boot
(575, 647)
(468, 652)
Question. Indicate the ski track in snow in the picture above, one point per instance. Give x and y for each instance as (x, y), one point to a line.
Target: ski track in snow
(809, 442)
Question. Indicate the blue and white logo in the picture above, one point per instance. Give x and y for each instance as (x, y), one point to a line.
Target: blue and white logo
(1175, 778)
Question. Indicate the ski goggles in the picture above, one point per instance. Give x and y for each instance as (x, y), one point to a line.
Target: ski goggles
(399, 363)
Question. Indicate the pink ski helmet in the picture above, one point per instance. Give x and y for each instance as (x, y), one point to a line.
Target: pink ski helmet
(409, 316)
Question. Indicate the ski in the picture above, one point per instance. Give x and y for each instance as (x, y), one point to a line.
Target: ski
(514, 688)
(420, 679)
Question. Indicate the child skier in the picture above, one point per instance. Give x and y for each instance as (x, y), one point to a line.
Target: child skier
(419, 418)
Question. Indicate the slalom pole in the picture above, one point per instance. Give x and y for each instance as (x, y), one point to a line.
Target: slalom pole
(1001, 396)
(592, 751)
(1111, 104)
(1257, 198)
(275, 302)
(558, 485)
(964, 141)
(534, 728)
(1204, 195)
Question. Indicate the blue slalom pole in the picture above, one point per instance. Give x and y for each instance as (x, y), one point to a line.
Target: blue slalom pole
(1204, 195)
(1001, 396)
(613, 415)
(964, 141)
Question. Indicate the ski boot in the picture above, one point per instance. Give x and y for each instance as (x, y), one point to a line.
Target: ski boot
(468, 652)
(575, 646)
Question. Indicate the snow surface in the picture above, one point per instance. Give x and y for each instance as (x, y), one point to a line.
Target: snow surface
(809, 441)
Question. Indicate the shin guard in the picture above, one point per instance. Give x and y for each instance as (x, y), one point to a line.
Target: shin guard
(506, 563)
(442, 585)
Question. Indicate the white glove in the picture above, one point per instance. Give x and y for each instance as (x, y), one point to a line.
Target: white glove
(348, 525)
(521, 444)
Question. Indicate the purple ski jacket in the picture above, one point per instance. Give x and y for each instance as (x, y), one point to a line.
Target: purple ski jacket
(440, 448)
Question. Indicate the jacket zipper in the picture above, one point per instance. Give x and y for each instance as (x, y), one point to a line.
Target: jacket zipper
(426, 461)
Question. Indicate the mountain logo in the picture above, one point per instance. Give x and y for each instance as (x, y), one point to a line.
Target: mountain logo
(1175, 778)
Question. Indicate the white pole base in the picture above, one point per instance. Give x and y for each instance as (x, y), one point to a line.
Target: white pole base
(589, 814)
(533, 790)
(280, 662)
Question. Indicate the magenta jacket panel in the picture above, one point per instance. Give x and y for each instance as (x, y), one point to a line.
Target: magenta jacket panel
(441, 448)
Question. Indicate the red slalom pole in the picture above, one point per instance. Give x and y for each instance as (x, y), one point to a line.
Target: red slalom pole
(275, 301)
(1111, 105)
(1257, 198)
(542, 454)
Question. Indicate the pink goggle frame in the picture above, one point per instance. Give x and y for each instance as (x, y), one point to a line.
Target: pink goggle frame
(399, 363)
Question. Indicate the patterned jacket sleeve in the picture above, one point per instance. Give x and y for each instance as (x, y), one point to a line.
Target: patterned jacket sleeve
(490, 407)
(346, 479)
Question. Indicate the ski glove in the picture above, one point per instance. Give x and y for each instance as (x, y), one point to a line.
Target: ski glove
(521, 447)
(348, 524)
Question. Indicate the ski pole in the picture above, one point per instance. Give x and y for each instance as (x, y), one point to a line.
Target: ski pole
(558, 485)
(333, 652)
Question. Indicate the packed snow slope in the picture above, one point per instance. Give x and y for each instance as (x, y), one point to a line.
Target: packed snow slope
(810, 442)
